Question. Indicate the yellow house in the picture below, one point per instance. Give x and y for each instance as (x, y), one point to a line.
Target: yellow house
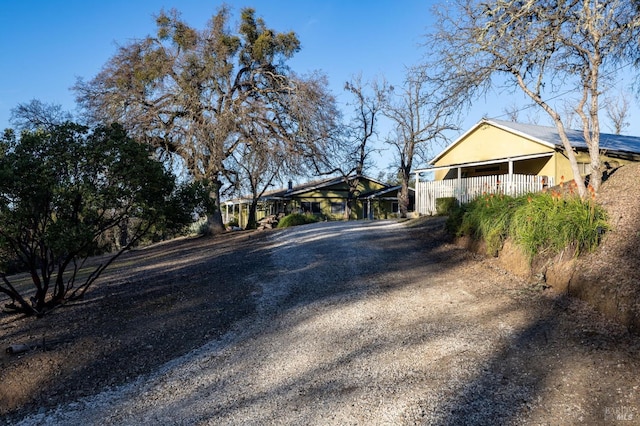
(503, 156)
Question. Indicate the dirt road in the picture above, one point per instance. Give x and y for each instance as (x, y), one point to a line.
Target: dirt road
(376, 323)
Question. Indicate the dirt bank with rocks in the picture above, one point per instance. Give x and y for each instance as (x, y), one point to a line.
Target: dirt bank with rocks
(609, 278)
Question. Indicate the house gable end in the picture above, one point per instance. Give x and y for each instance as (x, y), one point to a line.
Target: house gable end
(489, 141)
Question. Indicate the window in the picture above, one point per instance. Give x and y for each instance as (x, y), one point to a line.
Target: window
(394, 207)
(337, 208)
(310, 207)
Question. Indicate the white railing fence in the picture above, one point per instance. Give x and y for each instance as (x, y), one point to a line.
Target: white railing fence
(467, 189)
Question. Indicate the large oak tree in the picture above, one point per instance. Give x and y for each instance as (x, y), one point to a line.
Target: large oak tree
(200, 95)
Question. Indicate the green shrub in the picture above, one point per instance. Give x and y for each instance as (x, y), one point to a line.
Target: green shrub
(295, 219)
(446, 205)
(487, 218)
(550, 222)
(543, 222)
(454, 219)
(201, 227)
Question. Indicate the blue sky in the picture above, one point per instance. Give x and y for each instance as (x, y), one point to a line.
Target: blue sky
(47, 44)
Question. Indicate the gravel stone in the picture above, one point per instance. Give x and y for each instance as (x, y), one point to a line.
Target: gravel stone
(378, 323)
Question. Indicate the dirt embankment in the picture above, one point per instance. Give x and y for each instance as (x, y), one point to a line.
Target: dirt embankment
(608, 278)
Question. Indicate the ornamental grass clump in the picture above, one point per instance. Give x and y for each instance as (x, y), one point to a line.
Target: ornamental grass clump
(487, 218)
(552, 221)
(541, 223)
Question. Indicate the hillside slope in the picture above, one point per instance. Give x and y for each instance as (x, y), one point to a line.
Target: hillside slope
(609, 278)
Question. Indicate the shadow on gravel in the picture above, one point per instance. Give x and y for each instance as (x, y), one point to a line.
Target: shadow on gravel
(355, 274)
(152, 306)
(186, 298)
(503, 389)
(509, 383)
(559, 360)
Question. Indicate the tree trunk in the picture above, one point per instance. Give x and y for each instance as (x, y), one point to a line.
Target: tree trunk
(352, 198)
(214, 223)
(403, 198)
(214, 218)
(252, 222)
(595, 179)
(347, 208)
(123, 238)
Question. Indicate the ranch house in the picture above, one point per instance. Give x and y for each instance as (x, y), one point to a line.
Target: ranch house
(511, 158)
(325, 198)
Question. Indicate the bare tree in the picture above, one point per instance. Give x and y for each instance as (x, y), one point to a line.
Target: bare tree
(512, 111)
(258, 167)
(421, 120)
(36, 114)
(257, 162)
(569, 116)
(543, 47)
(282, 138)
(350, 151)
(193, 94)
(617, 110)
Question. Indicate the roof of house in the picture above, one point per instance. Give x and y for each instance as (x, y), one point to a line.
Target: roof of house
(380, 193)
(608, 141)
(309, 186)
(549, 136)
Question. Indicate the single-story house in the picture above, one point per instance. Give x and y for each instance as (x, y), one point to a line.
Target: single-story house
(515, 158)
(326, 198)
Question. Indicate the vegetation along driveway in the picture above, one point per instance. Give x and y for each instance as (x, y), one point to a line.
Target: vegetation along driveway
(386, 323)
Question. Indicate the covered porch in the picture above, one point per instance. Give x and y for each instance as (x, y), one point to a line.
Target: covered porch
(510, 176)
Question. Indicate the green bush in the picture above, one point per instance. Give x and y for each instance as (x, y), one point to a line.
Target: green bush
(487, 218)
(446, 205)
(295, 219)
(73, 192)
(550, 222)
(544, 222)
(454, 219)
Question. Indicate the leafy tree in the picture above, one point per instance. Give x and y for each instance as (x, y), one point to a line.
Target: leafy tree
(61, 192)
(543, 47)
(197, 94)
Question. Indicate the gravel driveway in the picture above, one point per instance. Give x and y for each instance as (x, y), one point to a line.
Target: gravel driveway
(366, 323)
